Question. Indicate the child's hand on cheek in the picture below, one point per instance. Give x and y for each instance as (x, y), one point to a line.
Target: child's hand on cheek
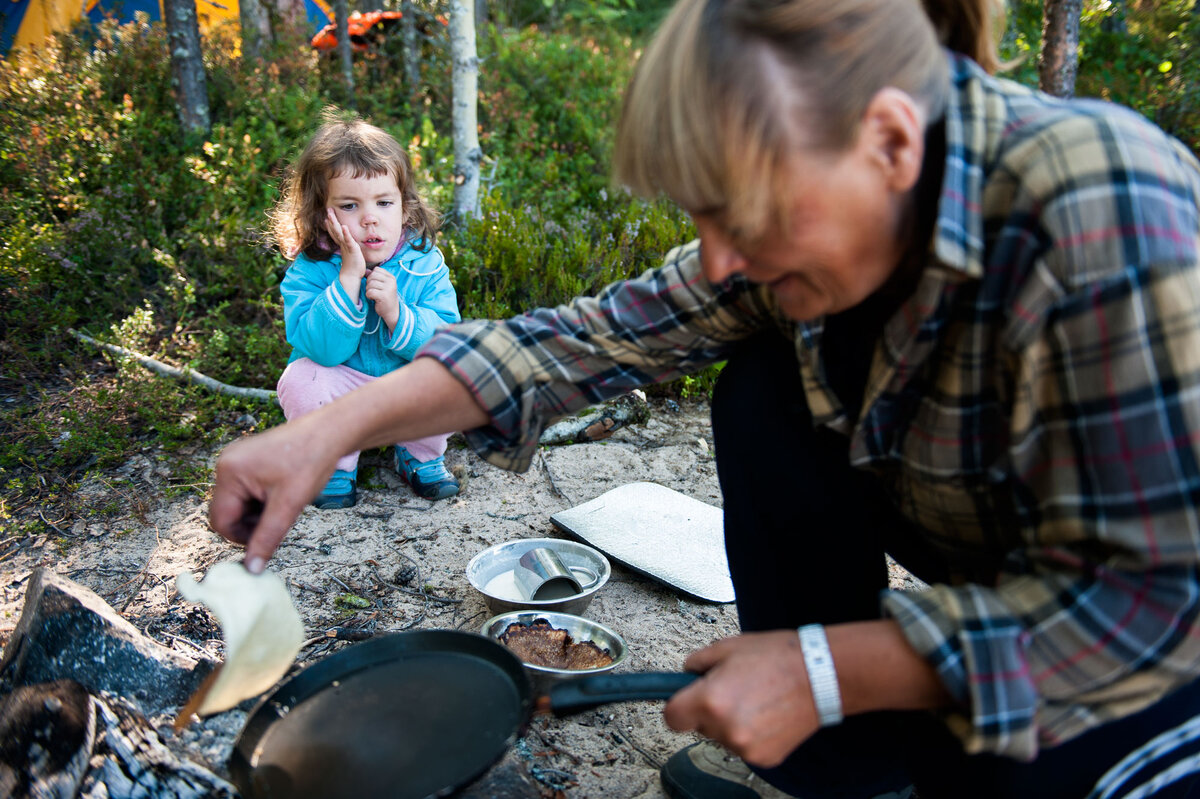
(354, 266)
(381, 289)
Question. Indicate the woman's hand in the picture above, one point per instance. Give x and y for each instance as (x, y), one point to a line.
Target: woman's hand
(753, 698)
(263, 483)
(381, 290)
(354, 265)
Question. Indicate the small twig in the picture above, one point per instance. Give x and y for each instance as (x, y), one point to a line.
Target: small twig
(367, 514)
(149, 632)
(52, 525)
(132, 594)
(103, 570)
(424, 596)
(422, 592)
(576, 759)
(468, 620)
(426, 537)
(553, 777)
(507, 518)
(324, 549)
(627, 738)
(348, 634)
(168, 587)
(333, 577)
(430, 506)
(379, 578)
(550, 476)
(414, 622)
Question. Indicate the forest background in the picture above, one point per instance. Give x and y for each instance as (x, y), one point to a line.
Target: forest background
(116, 223)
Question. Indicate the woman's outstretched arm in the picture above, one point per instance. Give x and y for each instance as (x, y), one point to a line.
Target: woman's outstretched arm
(263, 482)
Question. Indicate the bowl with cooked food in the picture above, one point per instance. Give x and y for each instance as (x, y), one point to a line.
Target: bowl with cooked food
(496, 573)
(556, 646)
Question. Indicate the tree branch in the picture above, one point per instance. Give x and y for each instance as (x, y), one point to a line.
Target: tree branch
(158, 367)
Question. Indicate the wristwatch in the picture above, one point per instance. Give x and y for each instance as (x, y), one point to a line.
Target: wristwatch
(822, 678)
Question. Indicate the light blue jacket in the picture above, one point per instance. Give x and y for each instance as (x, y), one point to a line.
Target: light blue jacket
(323, 324)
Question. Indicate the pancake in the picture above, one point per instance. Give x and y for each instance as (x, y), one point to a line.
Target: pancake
(262, 631)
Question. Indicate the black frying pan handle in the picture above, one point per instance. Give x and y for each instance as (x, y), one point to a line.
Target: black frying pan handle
(584, 693)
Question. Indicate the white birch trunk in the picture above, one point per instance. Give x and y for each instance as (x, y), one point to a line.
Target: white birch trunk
(255, 27)
(411, 51)
(467, 153)
(187, 65)
(286, 18)
(341, 12)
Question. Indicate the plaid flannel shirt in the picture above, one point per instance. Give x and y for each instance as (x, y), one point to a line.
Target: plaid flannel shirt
(1034, 405)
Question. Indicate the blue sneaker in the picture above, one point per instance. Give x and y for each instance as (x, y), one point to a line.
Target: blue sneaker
(339, 492)
(429, 479)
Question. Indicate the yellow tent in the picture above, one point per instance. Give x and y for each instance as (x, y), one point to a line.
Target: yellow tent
(27, 23)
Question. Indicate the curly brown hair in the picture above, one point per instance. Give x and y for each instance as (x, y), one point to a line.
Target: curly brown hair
(344, 145)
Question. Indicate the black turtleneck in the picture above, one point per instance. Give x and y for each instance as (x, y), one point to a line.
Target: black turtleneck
(850, 336)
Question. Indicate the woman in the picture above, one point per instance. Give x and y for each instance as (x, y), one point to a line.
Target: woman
(964, 314)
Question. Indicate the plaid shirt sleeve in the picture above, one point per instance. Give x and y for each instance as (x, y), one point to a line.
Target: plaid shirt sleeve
(533, 369)
(1092, 222)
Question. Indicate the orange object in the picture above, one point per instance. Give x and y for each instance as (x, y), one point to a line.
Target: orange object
(360, 26)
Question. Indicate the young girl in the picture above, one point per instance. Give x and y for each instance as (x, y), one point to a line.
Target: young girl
(367, 287)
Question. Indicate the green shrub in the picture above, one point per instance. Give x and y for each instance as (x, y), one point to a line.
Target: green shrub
(516, 258)
(548, 106)
(113, 222)
(1151, 66)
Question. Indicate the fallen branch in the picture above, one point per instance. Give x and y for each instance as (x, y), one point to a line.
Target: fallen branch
(550, 476)
(166, 370)
(600, 422)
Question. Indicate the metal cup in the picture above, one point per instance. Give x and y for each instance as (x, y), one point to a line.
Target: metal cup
(540, 574)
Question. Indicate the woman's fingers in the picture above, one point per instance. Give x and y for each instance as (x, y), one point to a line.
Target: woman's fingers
(753, 697)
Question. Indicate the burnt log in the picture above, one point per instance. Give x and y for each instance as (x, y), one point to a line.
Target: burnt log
(46, 737)
(68, 632)
(57, 740)
(597, 424)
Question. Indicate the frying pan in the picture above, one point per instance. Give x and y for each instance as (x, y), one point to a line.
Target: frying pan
(407, 715)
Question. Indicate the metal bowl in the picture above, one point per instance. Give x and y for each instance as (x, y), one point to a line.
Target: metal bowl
(488, 569)
(579, 628)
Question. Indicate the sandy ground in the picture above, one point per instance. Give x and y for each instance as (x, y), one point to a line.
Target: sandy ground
(614, 752)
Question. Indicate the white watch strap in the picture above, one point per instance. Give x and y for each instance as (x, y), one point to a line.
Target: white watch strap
(822, 678)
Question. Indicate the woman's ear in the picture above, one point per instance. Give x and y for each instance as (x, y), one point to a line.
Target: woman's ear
(893, 135)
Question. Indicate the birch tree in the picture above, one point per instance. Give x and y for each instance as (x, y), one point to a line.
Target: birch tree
(286, 17)
(187, 65)
(467, 153)
(1059, 61)
(255, 28)
(410, 52)
(341, 13)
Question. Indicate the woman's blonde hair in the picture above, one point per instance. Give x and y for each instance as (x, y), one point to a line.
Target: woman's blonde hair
(353, 147)
(729, 89)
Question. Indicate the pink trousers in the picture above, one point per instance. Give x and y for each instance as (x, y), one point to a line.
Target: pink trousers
(306, 385)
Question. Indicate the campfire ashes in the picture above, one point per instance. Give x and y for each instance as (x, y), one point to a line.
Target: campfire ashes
(77, 682)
